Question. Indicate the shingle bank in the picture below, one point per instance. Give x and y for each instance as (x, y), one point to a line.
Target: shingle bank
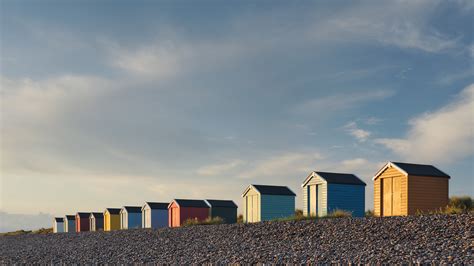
(414, 239)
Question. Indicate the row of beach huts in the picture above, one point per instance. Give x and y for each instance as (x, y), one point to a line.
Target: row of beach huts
(399, 189)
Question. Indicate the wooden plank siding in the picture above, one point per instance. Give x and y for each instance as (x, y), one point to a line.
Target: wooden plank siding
(347, 197)
(316, 180)
(427, 193)
(276, 206)
(402, 208)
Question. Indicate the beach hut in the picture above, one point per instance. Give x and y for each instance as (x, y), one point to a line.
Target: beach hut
(264, 203)
(111, 219)
(324, 192)
(406, 188)
(82, 221)
(225, 209)
(155, 215)
(130, 217)
(70, 223)
(96, 221)
(58, 225)
(180, 210)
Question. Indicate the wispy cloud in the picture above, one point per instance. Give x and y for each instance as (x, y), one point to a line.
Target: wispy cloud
(219, 169)
(360, 134)
(444, 135)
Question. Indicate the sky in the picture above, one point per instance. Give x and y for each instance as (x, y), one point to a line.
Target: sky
(113, 103)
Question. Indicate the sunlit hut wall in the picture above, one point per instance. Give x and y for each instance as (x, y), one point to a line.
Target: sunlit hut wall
(70, 223)
(58, 225)
(96, 221)
(181, 210)
(324, 192)
(155, 214)
(82, 221)
(131, 217)
(264, 203)
(406, 188)
(111, 219)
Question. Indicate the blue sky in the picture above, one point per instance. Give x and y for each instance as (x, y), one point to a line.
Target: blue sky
(108, 103)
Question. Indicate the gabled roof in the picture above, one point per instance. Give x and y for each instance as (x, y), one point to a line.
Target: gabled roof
(335, 178)
(96, 215)
(413, 169)
(83, 214)
(70, 217)
(190, 203)
(221, 203)
(59, 219)
(270, 190)
(157, 205)
(132, 209)
(113, 210)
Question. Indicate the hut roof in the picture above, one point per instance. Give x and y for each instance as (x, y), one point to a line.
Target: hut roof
(157, 205)
(272, 190)
(70, 217)
(336, 178)
(414, 169)
(191, 203)
(113, 210)
(221, 203)
(59, 219)
(133, 209)
(97, 215)
(83, 214)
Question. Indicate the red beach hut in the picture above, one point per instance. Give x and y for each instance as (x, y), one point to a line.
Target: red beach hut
(180, 210)
(82, 221)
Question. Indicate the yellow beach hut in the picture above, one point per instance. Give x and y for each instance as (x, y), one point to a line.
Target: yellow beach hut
(112, 219)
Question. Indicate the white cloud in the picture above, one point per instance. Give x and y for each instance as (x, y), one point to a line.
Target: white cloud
(444, 135)
(167, 59)
(342, 101)
(360, 134)
(218, 169)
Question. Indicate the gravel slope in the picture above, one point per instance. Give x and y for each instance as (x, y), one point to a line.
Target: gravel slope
(416, 239)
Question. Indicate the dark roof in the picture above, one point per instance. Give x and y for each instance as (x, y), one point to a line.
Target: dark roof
(221, 203)
(59, 219)
(340, 178)
(421, 169)
(113, 210)
(97, 214)
(84, 214)
(191, 203)
(158, 205)
(274, 190)
(70, 217)
(133, 209)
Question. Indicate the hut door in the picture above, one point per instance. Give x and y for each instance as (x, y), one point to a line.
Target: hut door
(319, 199)
(312, 200)
(396, 196)
(387, 196)
(392, 204)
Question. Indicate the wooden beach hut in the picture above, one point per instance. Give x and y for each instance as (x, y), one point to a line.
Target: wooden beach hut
(225, 209)
(324, 192)
(58, 225)
(130, 217)
(180, 210)
(70, 223)
(96, 221)
(264, 203)
(111, 219)
(155, 214)
(82, 221)
(406, 188)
